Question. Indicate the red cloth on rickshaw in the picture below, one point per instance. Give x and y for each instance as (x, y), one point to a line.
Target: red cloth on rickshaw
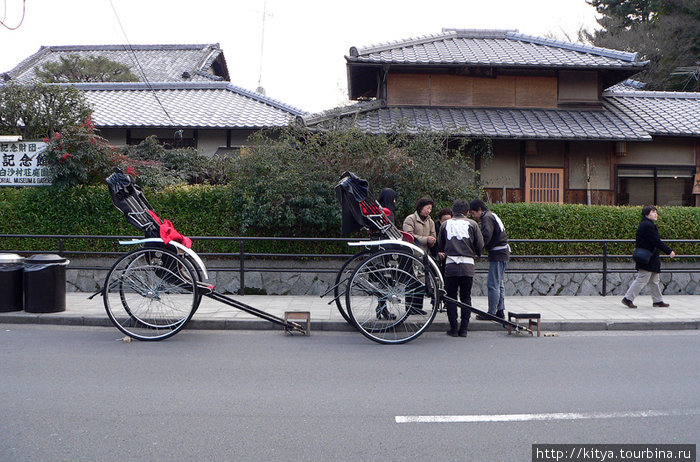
(169, 233)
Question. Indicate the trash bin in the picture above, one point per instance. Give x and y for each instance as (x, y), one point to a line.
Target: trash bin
(45, 283)
(11, 272)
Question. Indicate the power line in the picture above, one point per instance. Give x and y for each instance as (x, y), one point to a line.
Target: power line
(136, 61)
(5, 14)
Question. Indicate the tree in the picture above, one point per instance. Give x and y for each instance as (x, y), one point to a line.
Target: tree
(38, 111)
(285, 179)
(73, 68)
(667, 33)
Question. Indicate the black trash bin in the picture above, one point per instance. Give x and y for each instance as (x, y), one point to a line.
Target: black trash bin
(11, 275)
(45, 283)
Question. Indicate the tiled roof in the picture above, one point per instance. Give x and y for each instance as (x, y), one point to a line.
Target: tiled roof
(505, 48)
(625, 115)
(493, 123)
(627, 85)
(189, 105)
(659, 112)
(160, 63)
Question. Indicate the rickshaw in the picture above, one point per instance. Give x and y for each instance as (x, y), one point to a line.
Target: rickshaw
(391, 291)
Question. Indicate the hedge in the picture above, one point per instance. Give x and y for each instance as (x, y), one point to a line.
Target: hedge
(218, 211)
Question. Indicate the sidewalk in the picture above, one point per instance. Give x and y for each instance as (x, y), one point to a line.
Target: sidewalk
(558, 313)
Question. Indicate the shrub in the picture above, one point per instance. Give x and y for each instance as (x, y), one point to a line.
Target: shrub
(153, 165)
(78, 156)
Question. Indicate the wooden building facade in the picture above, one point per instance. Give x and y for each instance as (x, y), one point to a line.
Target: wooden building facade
(566, 124)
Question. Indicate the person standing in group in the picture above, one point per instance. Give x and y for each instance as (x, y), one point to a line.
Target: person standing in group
(422, 228)
(420, 225)
(460, 242)
(496, 244)
(648, 273)
(442, 216)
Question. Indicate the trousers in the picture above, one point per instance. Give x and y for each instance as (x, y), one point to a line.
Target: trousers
(463, 286)
(642, 279)
(496, 286)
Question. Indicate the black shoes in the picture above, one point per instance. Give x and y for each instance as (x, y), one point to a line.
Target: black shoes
(462, 333)
(499, 314)
(481, 318)
(384, 314)
(629, 304)
(452, 333)
(660, 305)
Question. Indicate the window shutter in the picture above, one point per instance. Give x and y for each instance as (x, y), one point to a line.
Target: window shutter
(544, 185)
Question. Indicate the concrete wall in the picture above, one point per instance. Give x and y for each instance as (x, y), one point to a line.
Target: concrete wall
(661, 151)
(503, 169)
(599, 162)
(208, 140)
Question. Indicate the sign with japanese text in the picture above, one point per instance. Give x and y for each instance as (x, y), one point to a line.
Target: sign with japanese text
(23, 163)
(696, 184)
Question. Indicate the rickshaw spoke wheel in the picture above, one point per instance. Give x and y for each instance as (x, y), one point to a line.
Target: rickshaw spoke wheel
(391, 297)
(342, 280)
(151, 294)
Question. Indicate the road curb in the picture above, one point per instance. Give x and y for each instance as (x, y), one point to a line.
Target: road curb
(21, 317)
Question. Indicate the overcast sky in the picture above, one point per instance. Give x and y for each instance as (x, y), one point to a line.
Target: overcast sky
(305, 41)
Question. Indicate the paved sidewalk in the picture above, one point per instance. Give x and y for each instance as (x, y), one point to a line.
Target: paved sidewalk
(558, 313)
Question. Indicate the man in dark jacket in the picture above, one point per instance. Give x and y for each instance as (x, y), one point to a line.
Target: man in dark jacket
(648, 273)
(496, 243)
(460, 242)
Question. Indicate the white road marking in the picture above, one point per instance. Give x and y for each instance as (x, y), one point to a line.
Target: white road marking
(547, 416)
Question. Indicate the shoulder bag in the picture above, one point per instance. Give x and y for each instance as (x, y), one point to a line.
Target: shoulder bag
(641, 255)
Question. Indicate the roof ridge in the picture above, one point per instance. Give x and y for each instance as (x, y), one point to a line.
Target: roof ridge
(28, 60)
(210, 57)
(511, 34)
(358, 108)
(480, 33)
(143, 85)
(265, 99)
(170, 46)
(606, 52)
(377, 48)
(653, 94)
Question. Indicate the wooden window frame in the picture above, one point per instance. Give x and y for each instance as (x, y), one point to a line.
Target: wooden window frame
(548, 188)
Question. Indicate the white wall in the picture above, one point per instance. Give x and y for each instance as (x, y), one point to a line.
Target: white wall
(660, 151)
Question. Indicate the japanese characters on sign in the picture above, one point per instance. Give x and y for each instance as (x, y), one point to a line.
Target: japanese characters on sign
(696, 184)
(23, 163)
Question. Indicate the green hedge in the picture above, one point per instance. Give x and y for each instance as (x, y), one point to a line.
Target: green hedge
(218, 211)
(545, 221)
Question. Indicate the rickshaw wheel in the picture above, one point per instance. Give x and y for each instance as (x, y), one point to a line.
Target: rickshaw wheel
(342, 280)
(392, 297)
(151, 293)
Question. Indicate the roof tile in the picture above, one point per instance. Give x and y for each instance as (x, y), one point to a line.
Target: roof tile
(196, 104)
(493, 48)
(159, 63)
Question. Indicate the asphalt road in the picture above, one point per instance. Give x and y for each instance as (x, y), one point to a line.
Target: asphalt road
(83, 394)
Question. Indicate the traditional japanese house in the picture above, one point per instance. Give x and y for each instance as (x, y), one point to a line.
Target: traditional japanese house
(566, 124)
(183, 96)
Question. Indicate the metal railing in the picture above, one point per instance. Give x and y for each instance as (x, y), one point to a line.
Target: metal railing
(241, 256)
